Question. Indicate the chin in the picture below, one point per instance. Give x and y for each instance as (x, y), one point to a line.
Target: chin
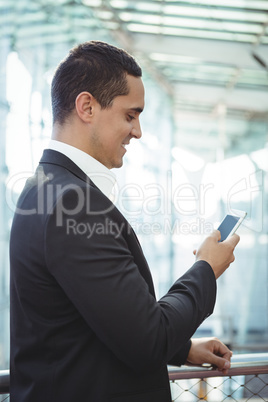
(118, 164)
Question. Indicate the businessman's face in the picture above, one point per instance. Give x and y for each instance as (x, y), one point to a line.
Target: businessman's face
(114, 127)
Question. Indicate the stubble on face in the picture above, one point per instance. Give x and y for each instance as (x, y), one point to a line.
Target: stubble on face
(113, 128)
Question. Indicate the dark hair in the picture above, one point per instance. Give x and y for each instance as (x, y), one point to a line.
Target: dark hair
(95, 67)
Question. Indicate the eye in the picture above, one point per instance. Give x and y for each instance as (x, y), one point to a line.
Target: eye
(130, 117)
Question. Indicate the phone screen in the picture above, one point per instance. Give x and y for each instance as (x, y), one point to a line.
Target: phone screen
(227, 225)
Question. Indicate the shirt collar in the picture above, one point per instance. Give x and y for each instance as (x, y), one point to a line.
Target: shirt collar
(96, 171)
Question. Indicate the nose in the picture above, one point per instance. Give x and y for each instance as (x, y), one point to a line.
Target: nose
(136, 129)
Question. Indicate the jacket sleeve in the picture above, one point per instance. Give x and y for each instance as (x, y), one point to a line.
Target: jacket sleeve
(89, 257)
(181, 356)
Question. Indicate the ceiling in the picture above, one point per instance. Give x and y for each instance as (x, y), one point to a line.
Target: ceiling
(211, 56)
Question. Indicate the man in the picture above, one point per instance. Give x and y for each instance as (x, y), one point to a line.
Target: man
(85, 324)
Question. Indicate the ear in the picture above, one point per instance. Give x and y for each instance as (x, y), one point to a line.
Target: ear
(85, 104)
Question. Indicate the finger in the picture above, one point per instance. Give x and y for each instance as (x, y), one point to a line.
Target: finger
(226, 368)
(216, 234)
(225, 354)
(221, 363)
(233, 240)
(222, 357)
(221, 350)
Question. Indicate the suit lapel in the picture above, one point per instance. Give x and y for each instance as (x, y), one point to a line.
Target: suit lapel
(56, 158)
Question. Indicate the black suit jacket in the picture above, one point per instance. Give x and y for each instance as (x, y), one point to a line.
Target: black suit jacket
(85, 324)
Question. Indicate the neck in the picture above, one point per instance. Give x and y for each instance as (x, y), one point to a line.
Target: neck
(69, 134)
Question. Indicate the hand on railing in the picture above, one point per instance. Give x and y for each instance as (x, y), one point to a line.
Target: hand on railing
(210, 351)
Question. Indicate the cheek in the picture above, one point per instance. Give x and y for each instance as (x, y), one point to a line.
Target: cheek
(114, 132)
(119, 134)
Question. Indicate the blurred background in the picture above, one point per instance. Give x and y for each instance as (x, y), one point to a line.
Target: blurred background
(204, 149)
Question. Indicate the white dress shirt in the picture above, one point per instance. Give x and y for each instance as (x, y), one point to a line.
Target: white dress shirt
(101, 176)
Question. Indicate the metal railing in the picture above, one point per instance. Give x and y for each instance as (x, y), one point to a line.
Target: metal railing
(247, 380)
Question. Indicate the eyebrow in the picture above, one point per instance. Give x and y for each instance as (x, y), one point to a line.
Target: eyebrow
(137, 109)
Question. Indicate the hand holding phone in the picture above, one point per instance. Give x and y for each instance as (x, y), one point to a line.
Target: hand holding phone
(220, 256)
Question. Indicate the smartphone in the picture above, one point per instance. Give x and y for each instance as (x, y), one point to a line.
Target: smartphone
(230, 224)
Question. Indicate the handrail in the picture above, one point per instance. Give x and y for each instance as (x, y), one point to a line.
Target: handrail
(244, 364)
